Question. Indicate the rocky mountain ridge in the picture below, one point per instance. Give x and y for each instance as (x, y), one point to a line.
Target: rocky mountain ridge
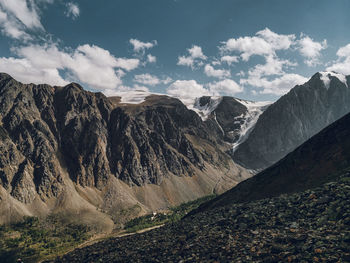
(295, 211)
(294, 118)
(64, 148)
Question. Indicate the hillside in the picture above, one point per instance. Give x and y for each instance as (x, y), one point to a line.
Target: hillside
(322, 158)
(312, 226)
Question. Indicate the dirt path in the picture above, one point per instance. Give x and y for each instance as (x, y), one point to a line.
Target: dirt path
(97, 238)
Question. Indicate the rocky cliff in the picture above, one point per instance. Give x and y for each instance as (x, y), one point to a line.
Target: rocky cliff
(67, 149)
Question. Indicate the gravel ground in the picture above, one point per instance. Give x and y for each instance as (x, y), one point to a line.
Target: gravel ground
(312, 226)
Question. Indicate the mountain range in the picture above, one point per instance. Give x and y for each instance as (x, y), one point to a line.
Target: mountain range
(295, 211)
(70, 151)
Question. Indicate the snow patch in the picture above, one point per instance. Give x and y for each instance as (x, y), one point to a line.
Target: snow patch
(325, 77)
(205, 110)
(255, 109)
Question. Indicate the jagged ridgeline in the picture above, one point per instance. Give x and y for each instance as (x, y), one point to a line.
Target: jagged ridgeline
(67, 150)
(64, 149)
(294, 118)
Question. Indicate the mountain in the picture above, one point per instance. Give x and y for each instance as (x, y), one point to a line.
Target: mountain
(67, 150)
(319, 160)
(309, 226)
(297, 210)
(294, 118)
(232, 118)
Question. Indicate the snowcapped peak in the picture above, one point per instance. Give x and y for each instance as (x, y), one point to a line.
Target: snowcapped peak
(206, 107)
(326, 77)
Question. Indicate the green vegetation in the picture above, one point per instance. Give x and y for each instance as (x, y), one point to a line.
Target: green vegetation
(33, 239)
(175, 214)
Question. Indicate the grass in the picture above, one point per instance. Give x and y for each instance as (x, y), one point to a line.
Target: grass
(33, 240)
(175, 214)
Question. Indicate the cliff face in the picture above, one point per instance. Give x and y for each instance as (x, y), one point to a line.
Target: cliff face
(58, 140)
(294, 118)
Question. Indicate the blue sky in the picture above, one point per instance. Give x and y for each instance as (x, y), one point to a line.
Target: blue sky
(251, 49)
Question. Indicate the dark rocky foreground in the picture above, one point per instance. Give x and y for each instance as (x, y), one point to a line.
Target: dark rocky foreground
(311, 226)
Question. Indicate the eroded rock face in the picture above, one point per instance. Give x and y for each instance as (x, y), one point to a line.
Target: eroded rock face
(50, 133)
(294, 118)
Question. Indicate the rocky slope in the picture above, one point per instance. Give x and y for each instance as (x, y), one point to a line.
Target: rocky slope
(64, 149)
(295, 211)
(294, 118)
(311, 226)
(320, 159)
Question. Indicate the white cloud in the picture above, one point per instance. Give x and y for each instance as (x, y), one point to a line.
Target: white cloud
(226, 86)
(147, 79)
(19, 16)
(342, 65)
(26, 14)
(139, 46)
(229, 59)
(11, 27)
(311, 50)
(273, 66)
(73, 10)
(277, 41)
(127, 63)
(196, 52)
(151, 59)
(24, 71)
(194, 59)
(91, 65)
(264, 43)
(151, 80)
(187, 90)
(276, 86)
(344, 51)
(185, 61)
(217, 73)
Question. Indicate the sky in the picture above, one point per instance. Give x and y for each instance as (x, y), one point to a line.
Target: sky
(251, 49)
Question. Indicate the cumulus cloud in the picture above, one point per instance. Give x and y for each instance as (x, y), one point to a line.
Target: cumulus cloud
(194, 59)
(187, 90)
(226, 86)
(73, 10)
(276, 86)
(229, 59)
(151, 59)
(127, 63)
(271, 77)
(151, 80)
(19, 16)
(139, 46)
(264, 43)
(342, 65)
(11, 27)
(216, 73)
(88, 64)
(26, 14)
(311, 50)
(273, 66)
(147, 79)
